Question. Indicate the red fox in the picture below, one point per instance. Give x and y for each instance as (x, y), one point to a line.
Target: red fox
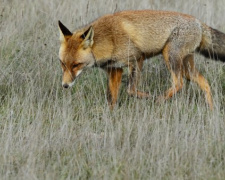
(126, 38)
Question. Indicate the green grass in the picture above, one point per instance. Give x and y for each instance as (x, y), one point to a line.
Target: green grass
(47, 132)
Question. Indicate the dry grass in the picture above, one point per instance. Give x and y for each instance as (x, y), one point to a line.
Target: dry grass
(49, 133)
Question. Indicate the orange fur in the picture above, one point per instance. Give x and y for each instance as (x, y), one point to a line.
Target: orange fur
(115, 76)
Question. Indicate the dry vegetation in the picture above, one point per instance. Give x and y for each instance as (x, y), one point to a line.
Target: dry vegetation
(50, 133)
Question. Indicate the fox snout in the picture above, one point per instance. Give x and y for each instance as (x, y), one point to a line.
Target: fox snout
(68, 79)
(67, 85)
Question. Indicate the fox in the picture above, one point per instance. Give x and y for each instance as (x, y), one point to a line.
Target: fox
(127, 38)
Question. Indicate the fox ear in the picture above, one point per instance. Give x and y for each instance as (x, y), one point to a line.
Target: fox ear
(87, 37)
(64, 31)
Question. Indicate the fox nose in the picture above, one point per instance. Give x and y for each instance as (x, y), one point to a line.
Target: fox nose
(65, 85)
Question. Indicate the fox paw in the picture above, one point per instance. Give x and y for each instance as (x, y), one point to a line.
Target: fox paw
(139, 94)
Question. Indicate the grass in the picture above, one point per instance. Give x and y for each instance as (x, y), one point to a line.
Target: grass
(49, 133)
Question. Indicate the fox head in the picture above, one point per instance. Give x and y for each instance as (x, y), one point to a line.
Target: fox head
(75, 53)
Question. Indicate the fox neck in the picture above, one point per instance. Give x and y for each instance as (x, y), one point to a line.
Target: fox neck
(102, 50)
(95, 60)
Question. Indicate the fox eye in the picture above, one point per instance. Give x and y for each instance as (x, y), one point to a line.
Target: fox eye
(76, 65)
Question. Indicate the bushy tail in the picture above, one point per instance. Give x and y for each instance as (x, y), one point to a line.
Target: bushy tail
(213, 44)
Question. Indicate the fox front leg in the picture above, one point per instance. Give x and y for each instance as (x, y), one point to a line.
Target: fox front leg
(114, 82)
(134, 79)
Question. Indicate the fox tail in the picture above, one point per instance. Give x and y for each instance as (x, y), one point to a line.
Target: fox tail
(213, 43)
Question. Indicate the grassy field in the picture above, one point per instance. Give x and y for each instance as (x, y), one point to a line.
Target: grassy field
(49, 133)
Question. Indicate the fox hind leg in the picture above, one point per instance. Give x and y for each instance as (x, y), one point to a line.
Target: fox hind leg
(134, 78)
(173, 61)
(191, 73)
